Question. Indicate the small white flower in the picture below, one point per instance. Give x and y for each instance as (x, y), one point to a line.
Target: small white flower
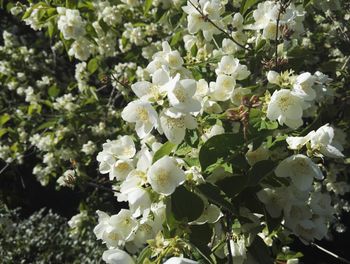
(174, 125)
(180, 95)
(180, 260)
(70, 23)
(285, 107)
(322, 142)
(143, 114)
(300, 169)
(165, 175)
(303, 86)
(125, 223)
(231, 66)
(222, 89)
(117, 256)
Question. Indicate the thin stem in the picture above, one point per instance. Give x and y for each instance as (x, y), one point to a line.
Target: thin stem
(217, 27)
(98, 186)
(276, 36)
(228, 238)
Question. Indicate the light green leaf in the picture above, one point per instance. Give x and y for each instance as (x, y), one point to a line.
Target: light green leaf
(148, 5)
(93, 65)
(164, 150)
(4, 119)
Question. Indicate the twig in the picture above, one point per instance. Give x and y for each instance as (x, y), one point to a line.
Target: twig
(98, 186)
(276, 36)
(228, 238)
(217, 27)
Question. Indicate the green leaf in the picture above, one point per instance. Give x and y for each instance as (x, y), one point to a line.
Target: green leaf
(260, 251)
(272, 223)
(192, 138)
(213, 194)
(144, 254)
(186, 205)
(93, 65)
(246, 4)
(200, 236)
(53, 91)
(3, 131)
(234, 185)
(260, 170)
(47, 124)
(148, 5)
(219, 147)
(194, 50)
(176, 38)
(4, 119)
(164, 150)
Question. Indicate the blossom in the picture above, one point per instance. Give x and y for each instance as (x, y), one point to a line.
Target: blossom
(152, 91)
(174, 125)
(322, 142)
(180, 95)
(222, 89)
(117, 256)
(180, 260)
(81, 49)
(143, 114)
(303, 86)
(230, 66)
(285, 107)
(300, 169)
(165, 175)
(70, 23)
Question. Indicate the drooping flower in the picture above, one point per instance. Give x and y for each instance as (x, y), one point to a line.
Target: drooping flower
(300, 169)
(117, 256)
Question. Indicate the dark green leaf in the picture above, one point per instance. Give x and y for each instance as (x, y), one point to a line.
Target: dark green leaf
(212, 193)
(186, 205)
(260, 170)
(260, 251)
(219, 147)
(233, 185)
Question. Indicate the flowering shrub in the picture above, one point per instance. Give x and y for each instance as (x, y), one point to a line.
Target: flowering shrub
(233, 116)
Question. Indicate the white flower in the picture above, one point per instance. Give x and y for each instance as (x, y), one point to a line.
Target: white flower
(70, 23)
(81, 49)
(180, 260)
(303, 86)
(231, 66)
(115, 157)
(239, 251)
(180, 95)
(322, 142)
(300, 169)
(265, 13)
(143, 114)
(152, 91)
(285, 107)
(67, 179)
(222, 89)
(296, 143)
(117, 256)
(273, 77)
(147, 230)
(174, 125)
(165, 175)
(238, 94)
(125, 223)
(139, 201)
(273, 199)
